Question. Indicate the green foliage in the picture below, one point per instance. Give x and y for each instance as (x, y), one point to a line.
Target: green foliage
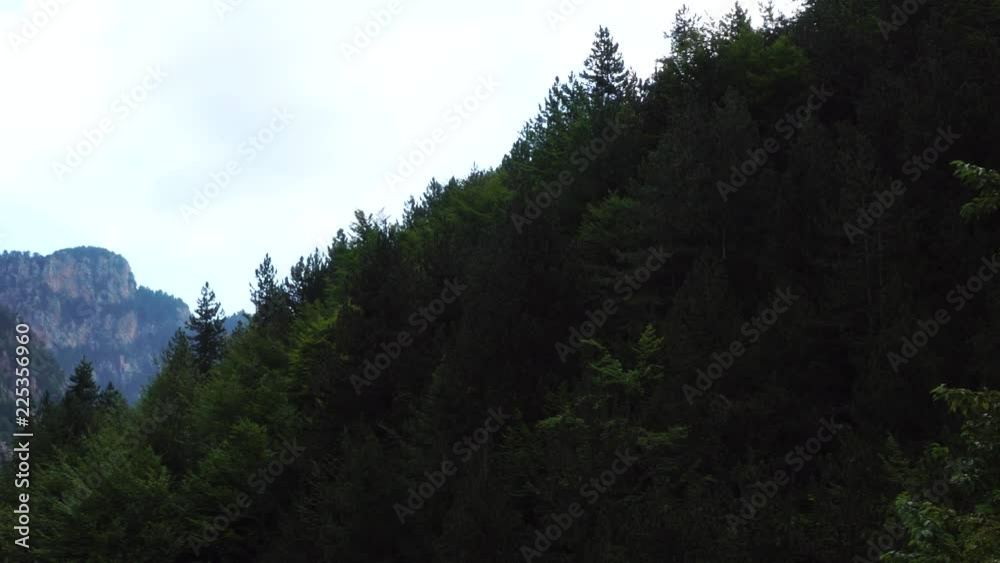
(81, 398)
(965, 527)
(608, 81)
(985, 183)
(207, 330)
(351, 358)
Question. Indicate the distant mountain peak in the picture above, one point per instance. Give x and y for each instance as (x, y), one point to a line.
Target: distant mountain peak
(85, 301)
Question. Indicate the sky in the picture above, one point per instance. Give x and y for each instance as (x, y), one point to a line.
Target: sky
(195, 136)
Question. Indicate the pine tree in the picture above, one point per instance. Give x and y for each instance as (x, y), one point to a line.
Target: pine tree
(609, 81)
(82, 385)
(266, 284)
(178, 354)
(168, 401)
(81, 398)
(269, 297)
(308, 278)
(207, 330)
(110, 399)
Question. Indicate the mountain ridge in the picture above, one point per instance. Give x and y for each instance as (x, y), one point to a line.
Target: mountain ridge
(84, 302)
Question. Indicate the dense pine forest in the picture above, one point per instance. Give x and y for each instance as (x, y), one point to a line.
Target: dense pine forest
(740, 311)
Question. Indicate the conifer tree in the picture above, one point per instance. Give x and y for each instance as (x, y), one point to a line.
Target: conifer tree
(81, 398)
(608, 80)
(178, 354)
(82, 385)
(207, 331)
(269, 297)
(109, 398)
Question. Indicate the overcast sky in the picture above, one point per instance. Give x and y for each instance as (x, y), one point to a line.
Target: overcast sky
(305, 116)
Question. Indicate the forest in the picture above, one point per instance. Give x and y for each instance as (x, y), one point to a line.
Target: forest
(739, 311)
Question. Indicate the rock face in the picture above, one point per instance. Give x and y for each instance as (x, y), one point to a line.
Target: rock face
(85, 302)
(44, 374)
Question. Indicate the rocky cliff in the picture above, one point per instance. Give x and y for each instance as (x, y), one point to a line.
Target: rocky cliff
(85, 302)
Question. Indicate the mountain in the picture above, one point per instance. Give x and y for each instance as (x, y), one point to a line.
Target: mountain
(654, 333)
(232, 321)
(84, 302)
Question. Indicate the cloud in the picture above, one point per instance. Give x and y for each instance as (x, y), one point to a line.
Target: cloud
(355, 119)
